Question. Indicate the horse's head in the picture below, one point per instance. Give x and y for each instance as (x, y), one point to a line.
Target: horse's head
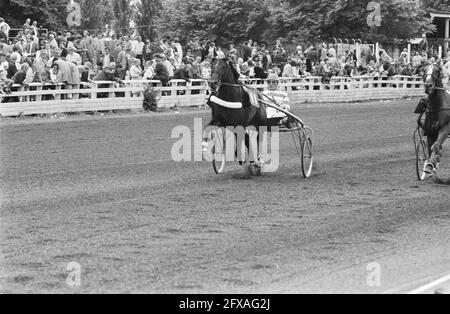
(221, 72)
(433, 78)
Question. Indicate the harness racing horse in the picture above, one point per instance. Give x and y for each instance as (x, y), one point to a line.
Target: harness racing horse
(232, 104)
(437, 121)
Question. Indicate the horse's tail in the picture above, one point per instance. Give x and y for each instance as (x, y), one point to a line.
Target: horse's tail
(442, 181)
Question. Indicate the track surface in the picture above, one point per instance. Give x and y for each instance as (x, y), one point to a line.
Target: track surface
(103, 192)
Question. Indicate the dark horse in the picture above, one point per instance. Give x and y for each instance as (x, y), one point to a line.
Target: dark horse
(437, 121)
(224, 83)
(232, 104)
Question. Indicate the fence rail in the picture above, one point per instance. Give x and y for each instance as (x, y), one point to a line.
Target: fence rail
(38, 98)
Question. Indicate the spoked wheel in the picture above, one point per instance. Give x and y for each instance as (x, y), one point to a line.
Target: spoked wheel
(304, 145)
(421, 154)
(218, 151)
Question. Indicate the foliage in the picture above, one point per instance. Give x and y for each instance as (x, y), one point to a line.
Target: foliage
(145, 13)
(96, 14)
(329, 19)
(48, 13)
(222, 21)
(122, 10)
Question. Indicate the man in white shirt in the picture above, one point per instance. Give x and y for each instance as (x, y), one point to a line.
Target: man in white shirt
(274, 116)
(138, 49)
(73, 57)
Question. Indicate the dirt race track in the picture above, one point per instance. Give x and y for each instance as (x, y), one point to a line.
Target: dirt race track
(104, 192)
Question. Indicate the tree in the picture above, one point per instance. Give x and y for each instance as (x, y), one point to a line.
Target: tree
(96, 14)
(122, 10)
(308, 20)
(224, 21)
(48, 13)
(145, 12)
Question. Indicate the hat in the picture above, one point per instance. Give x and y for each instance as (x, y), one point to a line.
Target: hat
(273, 77)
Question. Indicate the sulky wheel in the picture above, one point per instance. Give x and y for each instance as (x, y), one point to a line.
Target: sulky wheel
(304, 145)
(421, 154)
(218, 150)
(307, 155)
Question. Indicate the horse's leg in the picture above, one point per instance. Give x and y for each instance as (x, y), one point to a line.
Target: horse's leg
(436, 148)
(430, 165)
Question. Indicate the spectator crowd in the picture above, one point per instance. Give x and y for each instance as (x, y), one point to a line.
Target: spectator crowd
(70, 58)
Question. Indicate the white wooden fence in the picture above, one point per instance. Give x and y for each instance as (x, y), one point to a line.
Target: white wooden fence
(37, 98)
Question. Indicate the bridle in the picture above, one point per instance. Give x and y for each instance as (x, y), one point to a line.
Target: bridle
(434, 88)
(219, 82)
(429, 77)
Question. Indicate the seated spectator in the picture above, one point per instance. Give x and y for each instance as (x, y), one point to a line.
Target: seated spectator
(12, 66)
(135, 70)
(18, 78)
(107, 74)
(288, 70)
(245, 70)
(161, 71)
(259, 71)
(388, 69)
(195, 69)
(149, 72)
(3, 71)
(182, 73)
(206, 70)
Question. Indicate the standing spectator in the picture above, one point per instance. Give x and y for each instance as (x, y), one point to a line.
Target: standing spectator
(195, 47)
(64, 74)
(148, 54)
(212, 51)
(73, 57)
(35, 29)
(139, 50)
(115, 51)
(247, 52)
(122, 63)
(178, 50)
(323, 52)
(27, 27)
(88, 47)
(169, 66)
(98, 46)
(53, 45)
(332, 51)
(107, 58)
(4, 29)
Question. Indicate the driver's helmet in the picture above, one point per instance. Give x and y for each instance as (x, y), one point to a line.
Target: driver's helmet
(273, 81)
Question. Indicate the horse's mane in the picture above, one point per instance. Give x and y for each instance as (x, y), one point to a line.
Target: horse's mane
(235, 72)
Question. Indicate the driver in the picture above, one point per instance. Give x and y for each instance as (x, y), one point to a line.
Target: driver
(274, 116)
